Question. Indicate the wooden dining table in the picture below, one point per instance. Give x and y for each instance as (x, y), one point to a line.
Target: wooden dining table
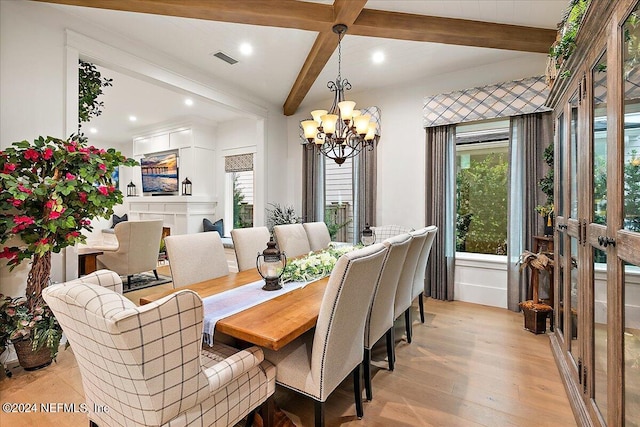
(271, 324)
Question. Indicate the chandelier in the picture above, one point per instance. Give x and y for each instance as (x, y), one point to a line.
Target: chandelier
(341, 132)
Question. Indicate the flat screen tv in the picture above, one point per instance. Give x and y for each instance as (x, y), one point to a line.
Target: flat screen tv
(160, 174)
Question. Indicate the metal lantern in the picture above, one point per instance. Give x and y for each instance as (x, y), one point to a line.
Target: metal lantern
(132, 191)
(270, 264)
(186, 187)
(368, 236)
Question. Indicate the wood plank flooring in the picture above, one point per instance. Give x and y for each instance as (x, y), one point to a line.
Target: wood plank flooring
(468, 365)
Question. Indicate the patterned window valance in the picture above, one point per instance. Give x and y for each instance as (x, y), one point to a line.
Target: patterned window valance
(506, 99)
(239, 163)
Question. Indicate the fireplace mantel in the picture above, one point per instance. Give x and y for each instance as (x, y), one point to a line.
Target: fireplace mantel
(183, 214)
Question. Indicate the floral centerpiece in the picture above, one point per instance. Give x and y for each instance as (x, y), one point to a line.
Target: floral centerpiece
(50, 190)
(315, 265)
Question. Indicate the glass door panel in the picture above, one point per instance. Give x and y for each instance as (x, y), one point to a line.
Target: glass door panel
(573, 141)
(599, 161)
(631, 340)
(574, 295)
(559, 323)
(560, 155)
(600, 334)
(631, 166)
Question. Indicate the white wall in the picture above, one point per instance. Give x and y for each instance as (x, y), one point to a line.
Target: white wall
(33, 61)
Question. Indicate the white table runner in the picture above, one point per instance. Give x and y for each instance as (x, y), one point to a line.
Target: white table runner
(235, 300)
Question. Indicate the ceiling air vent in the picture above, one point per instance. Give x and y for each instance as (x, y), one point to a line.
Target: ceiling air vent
(226, 58)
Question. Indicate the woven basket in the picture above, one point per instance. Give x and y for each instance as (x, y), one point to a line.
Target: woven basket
(32, 360)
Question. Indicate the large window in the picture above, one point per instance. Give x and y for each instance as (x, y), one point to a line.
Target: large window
(239, 194)
(339, 200)
(482, 152)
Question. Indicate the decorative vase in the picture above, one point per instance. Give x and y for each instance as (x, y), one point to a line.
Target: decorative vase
(548, 225)
(535, 320)
(32, 360)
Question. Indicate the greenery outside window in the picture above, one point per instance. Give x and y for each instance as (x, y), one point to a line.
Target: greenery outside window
(482, 152)
(240, 187)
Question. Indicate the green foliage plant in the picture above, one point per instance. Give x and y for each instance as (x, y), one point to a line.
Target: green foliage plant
(280, 215)
(90, 85)
(50, 190)
(562, 49)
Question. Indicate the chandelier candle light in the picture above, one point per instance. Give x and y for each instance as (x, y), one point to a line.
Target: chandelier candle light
(341, 132)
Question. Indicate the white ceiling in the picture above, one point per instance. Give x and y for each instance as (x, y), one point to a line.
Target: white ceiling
(279, 54)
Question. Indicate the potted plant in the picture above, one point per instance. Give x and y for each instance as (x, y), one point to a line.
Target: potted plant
(535, 312)
(50, 190)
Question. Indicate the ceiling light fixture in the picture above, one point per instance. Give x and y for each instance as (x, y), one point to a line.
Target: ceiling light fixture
(341, 132)
(188, 102)
(93, 130)
(378, 57)
(246, 49)
(132, 118)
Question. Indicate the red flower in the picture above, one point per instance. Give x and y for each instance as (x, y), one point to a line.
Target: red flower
(43, 241)
(23, 220)
(50, 204)
(8, 168)
(14, 202)
(24, 189)
(85, 222)
(31, 154)
(70, 176)
(102, 167)
(73, 234)
(112, 189)
(54, 215)
(71, 148)
(103, 190)
(83, 196)
(48, 153)
(8, 253)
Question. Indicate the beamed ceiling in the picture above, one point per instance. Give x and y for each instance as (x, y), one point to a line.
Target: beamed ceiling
(321, 17)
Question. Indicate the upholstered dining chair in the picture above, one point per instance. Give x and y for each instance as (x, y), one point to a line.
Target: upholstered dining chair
(137, 250)
(318, 235)
(383, 232)
(380, 318)
(418, 279)
(147, 364)
(248, 242)
(195, 258)
(292, 239)
(403, 299)
(315, 363)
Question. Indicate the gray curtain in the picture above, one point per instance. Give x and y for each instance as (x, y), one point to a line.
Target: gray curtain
(312, 185)
(365, 178)
(530, 135)
(440, 210)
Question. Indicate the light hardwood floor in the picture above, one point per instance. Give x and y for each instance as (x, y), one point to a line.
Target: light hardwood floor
(468, 365)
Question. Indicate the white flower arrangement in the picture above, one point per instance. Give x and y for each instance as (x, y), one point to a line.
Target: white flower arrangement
(315, 265)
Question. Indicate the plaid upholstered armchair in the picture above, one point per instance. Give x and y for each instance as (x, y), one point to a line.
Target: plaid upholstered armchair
(147, 364)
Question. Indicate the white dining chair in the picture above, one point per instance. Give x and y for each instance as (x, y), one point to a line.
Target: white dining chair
(248, 242)
(380, 318)
(421, 267)
(315, 363)
(292, 239)
(318, 235)
(402, 304)
(195, 258)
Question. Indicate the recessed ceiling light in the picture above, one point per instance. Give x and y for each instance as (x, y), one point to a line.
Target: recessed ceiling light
(378, 57)
(93, 130)
(246, 49)
(132, 118)
(188, 101)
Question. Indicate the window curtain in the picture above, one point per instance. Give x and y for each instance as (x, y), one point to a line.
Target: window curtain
(364, 188)
(440, 210)
(313, 194)
(530, 134)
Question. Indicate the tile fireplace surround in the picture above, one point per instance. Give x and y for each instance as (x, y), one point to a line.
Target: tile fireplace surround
(182, 214)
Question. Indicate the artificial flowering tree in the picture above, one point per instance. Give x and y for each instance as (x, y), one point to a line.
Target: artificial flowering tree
(50, 190)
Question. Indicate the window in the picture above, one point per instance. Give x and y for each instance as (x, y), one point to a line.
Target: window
(482, 152)
(339, 200)
(239, 194)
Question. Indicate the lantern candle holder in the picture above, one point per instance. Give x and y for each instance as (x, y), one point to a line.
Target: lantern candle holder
(132, 191)
(186, 187)
(270, 264)
(368, 236)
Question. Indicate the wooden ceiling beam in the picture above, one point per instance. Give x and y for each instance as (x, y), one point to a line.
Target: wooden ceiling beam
(272, 13)
(463, 32)
(346, 12)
